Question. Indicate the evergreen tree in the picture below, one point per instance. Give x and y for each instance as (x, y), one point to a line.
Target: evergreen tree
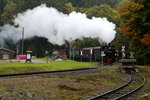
(88, 42)
(2, 5)
(9, 13)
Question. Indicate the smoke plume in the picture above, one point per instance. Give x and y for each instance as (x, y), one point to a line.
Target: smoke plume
(58, 27)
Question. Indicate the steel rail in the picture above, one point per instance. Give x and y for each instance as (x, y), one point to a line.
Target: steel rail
(46, 72)
(115, 89)
(125, 95)
(101, 96)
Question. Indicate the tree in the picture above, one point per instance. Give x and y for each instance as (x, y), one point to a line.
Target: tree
(103, 10)
(23, 5)
(87, 42)
(2, 5)
(60, 5)
(90, 3)
(70, 7)
(9, 13)
(135, 25)
(146, 40)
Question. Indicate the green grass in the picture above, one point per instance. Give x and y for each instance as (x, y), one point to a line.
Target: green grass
(60, 87)
(4, 61)
(18, 67)
(146, 68)
(145, 71)
(142, 66)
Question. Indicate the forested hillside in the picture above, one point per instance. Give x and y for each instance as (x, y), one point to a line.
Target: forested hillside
(90, 3)
(132, 19)
(99, 8)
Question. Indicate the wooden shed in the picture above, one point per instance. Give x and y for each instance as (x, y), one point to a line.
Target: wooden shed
(6, 54)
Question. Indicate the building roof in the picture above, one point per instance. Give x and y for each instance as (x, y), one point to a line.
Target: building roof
(7, 50)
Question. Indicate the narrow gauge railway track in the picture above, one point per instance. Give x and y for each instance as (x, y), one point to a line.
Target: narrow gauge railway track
(134, 84)
(46, 72)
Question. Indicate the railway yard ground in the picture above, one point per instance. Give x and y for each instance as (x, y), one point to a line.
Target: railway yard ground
(144, 93)
(64, 86)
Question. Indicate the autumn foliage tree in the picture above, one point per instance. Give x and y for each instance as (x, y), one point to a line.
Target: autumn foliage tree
(135, 24)
(146, 40)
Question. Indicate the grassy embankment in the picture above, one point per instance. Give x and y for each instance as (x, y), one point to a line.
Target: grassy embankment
(19, 67)
(2, 61)
(145, 71)
(59, 87)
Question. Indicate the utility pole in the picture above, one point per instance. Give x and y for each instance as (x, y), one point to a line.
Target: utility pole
(22, 40)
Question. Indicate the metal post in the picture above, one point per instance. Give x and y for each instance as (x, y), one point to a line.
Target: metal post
(22, 39)
(46, 56)
(102, 62)
(116, 56)
(81, 54)
(95, 57)
(90, 58)
(47, 59)
(91, 53)
(102, 55)
(17, 51)
(70, 49)
(73, 53)
(81, 58)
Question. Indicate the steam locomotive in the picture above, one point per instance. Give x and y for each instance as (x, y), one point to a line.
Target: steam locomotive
(106, 54)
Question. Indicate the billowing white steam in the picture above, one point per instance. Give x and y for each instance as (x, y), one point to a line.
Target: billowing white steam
(9, 32)
(58, 27)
